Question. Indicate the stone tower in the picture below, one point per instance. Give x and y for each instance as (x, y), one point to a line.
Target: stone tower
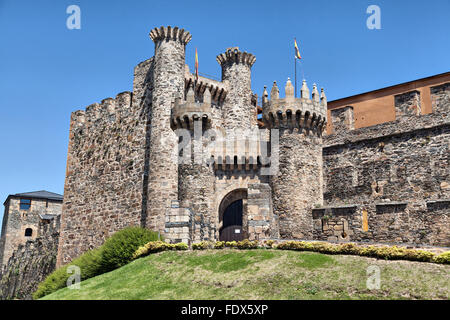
(297, 187)
(236, 73)
(168, 84)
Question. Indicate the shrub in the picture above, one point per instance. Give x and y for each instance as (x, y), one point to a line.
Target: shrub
(348, 248)
(369, 251)
(158, 246)
(269, 243)
(181, 246)
(89, 264)
(119, 249)
(202, 245)
(442, 258)
(219, 245)
(247, 244)
(231, 244)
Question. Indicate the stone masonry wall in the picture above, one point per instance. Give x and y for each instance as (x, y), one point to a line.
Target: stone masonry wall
(390, 222)
(106, 168)
(396, 166)
(408, 104)
(440, 98)
(396, 176)
(30, 263)
(413, 165)
(262, 223)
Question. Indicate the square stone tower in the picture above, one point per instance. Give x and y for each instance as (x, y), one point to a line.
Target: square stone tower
(23, 214)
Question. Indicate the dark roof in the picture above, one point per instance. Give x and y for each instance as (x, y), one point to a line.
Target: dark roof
(47, 216)
(43, 194)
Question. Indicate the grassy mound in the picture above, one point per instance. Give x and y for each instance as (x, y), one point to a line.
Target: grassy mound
(262, 274)
(117, 251)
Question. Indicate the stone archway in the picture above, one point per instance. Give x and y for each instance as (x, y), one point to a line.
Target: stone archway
(233, 223)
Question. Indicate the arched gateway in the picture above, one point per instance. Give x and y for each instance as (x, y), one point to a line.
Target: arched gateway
(232, 216)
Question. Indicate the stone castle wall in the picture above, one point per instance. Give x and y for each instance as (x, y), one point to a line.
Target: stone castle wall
(30, 263)
(105, 188)
(394, 177)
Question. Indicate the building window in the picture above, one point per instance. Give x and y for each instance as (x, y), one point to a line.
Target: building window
(28, 232)
(25, 204)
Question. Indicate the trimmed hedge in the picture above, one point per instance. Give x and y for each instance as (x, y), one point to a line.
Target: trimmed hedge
(244, 244)
(388, 253)
(115, 252)
(158, 246)
(442, 258)
(383, 252)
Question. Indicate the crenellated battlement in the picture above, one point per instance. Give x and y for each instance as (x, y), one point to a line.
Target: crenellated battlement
(108, 110)
(217, 89)
(234, 55)
(169, 33)
(184, 113)
(307, 111)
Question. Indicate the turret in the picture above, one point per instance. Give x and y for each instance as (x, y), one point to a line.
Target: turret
(304, 112)
(186, 112)
(298, 123)
(168, 84)
(195, 176)
(238, 111)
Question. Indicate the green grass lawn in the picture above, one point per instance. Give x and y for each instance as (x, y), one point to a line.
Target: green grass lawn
(262, 274)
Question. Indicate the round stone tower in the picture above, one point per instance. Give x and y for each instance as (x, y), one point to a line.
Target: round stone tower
(168, 84)
(196, 177)
(238, 111)
(297, 187)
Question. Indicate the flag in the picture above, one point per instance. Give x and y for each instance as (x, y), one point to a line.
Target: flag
(297, 52)
(196, 65)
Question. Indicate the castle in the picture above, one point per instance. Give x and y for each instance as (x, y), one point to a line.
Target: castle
(199, 159)
(189, 158)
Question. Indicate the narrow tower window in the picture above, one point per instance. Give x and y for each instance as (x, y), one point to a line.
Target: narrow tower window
(28, 232)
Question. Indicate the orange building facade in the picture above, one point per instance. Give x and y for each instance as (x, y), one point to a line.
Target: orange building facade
(378, 106)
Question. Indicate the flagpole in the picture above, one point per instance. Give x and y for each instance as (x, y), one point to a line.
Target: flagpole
(195, 71)
(303, 74)
(295, 80)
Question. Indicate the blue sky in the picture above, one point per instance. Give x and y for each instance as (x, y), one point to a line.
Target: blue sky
(47, 71)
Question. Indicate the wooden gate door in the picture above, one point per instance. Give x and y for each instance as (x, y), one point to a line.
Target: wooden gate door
(232, 222)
